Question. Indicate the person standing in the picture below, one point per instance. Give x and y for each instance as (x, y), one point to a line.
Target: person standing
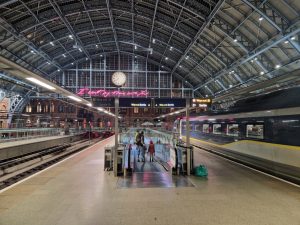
(142, 145)
(151, 150)
(138, 143)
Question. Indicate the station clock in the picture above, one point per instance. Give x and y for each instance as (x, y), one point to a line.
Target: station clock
(118, 78)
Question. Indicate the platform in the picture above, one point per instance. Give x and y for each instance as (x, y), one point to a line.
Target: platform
(78, 191)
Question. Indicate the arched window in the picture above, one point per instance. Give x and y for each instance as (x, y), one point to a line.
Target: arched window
(28, 108)
(52, 107)
(39, 108)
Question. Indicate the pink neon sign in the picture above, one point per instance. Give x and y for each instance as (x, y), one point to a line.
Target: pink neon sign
(107, 93)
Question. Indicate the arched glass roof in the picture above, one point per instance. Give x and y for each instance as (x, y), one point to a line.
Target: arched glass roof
(217, 46)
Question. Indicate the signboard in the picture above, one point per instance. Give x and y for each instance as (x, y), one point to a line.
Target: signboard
(103, 102)
(135, 102)
(111, 93)
(201, 102)
(170, 102)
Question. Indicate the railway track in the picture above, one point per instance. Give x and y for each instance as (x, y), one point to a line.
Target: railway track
(18, 168)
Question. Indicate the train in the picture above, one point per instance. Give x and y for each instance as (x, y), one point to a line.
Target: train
(262, 132)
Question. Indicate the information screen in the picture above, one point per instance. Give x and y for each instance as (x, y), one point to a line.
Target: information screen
(201, 102)
(135, 102)
(170, 102)
(103, 102)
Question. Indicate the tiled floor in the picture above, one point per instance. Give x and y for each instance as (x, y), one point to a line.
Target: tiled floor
(79, 192)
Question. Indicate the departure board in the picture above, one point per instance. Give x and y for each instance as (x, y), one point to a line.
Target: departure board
(135, 102)
(103, 102)
(170, 103)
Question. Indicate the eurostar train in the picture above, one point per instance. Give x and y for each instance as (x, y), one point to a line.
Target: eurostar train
(264, 135)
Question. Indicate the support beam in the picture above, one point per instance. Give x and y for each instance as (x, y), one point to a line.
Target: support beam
(111, 19)
(188, 143)
(116, 137)
(62, 17)
(200, 31)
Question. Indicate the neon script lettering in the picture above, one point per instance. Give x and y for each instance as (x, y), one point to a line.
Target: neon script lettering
(106, 94)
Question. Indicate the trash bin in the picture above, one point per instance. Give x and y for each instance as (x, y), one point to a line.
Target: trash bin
(201, 171)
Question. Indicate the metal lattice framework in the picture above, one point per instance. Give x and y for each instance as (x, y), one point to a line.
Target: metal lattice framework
(217, 47)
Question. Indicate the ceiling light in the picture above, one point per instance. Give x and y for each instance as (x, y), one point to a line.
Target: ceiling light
(180, 66)
(277, 66)
(230, 85)
(162, 66)
(260, 18)
(64, 55)
(135, 47)
(101, 55)
(166, 58)
(135, 56)
(100, 109)
(51, 43)
(255, 58)
(235, 40)
(86, 59)
(74, 98)
(262, 73)
(206, 96)
(171, 48)
(33, 52)
(286, 42)
(71, 37)
(187, 57)
(96, 46)
(58, 70)
(36, 81)
(151, 52)
(72, 63)
(153, 41)
(293, 38)
(80, 49)
(89, 104)
(48, 63)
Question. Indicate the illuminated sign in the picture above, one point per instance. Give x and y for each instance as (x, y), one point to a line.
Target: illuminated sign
(135, 102)
(201, 102)
(111, 93)
(170, 102)
(103, 102)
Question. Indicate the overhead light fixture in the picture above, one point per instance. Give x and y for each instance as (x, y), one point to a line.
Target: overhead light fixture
(293, 38)
(260, 18)
(100, 109)
(135, 56)
(135, 47)
(71, 37)
(187, 57)
(96, 46)
(171, 48)
(262, 73)
(64, 55)
(58, 70)
(74, 98)
(72, 63)
(80, 49)
(277, 66)
(86, 59)
(89, 104)
(235, 40)
(51, 43)
(101, 55)
(41, 83)
(230, 85)
(166, 58)
(33, 52)
(48, 63)
(206, 96)
(180, 66)
(162, 66)
(286, 42)
(153, 41)
(151, 52)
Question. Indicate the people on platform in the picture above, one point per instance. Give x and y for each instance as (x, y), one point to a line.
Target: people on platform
(138, 143)
(151, 150)
(142, 146)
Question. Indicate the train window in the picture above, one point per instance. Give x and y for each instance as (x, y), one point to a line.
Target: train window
(206, 128)
(196, 127)
(232, 129)
(255, 131)
(217, 129)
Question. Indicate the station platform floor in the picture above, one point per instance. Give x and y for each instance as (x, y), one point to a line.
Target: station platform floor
(78, 191)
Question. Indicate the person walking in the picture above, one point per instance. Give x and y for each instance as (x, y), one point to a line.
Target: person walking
(151, 150)
(138, 143)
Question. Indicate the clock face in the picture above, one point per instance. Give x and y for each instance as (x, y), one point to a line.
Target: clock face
(118, 78)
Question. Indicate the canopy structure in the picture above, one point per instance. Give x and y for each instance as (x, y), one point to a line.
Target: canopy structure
(216, 47)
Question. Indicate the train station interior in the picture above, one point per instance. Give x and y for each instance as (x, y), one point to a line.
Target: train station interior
(138, 112)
